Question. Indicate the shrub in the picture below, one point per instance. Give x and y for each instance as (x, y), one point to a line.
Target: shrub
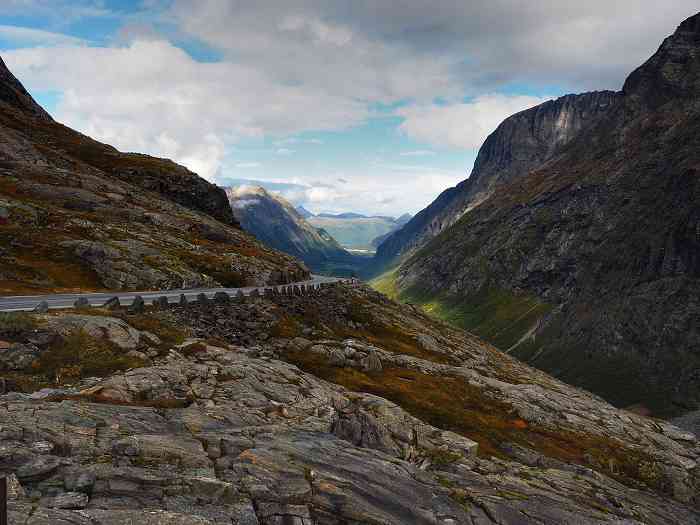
(13, 323)
(79, 355)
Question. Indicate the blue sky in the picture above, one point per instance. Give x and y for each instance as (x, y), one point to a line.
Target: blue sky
(373, 107)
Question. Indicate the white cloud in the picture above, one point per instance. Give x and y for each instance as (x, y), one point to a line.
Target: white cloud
(464, 125)
(418, 153)
(151, 96)
(284, 151)
(24, 36)
(300, 66)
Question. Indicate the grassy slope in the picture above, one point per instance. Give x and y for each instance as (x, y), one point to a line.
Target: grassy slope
(496, 315)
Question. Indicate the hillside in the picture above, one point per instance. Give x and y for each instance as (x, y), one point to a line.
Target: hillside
(76, 214)
(275, 222)
(327, 406)
(587, 264)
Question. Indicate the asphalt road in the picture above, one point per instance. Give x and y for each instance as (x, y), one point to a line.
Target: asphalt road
(29, 302)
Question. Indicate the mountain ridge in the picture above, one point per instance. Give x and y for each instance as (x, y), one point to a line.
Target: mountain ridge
(78, 215)
(520, 143)
(588, 265)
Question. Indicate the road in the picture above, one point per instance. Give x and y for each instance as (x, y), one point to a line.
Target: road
(29, 302)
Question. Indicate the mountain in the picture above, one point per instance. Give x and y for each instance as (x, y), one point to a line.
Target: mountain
(354, 230)
(276, 223)
(76, 214)
(521, 143)
(398, 224)
(320, 405)
(578, 250)
(305, 214)
(347, 215)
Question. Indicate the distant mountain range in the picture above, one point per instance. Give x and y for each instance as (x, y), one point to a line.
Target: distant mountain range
(274, 221)
(355, 231)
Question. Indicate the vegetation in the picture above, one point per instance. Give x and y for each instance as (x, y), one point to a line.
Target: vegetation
(14, 323)
(78, 356)
(452, 404)
(498, 316)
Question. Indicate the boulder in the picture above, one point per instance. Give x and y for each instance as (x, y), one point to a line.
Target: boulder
(138, 305)
(41, 308)
(112, 304)
(81, 303)
(161, 302)
(222, 298)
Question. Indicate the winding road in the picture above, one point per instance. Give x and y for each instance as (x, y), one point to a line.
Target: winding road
(20, 303)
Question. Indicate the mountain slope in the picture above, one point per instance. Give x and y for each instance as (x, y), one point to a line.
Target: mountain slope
(521, 143)
(76, 214)
(588, 266)
(333, 406)
(275, 222)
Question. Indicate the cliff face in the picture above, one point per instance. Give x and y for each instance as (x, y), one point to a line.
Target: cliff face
(589, 266)
(76, 214)
(276, 223)
(521, 143)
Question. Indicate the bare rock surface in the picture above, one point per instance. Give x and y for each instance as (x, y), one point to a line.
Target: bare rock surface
(218, 431)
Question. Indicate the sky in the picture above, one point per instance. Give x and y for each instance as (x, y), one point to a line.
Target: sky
(370, 106)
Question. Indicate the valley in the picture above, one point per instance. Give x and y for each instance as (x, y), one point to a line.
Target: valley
(523, 351)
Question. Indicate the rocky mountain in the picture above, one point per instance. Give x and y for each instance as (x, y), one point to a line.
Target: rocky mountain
(275, 222)
(314, 406)
(398, 224)
(583, 257)
(521, 143)
(76, 214)
(304, 212)
(354, 230)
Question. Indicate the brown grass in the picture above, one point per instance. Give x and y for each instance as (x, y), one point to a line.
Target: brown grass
(452, 404)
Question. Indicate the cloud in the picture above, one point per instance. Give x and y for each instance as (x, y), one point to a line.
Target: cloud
(296, 140)
(464, 125)
(151, 96)
(24, 36)
(288, 71)
(417, 49)
(247, 165)
(284, 151)
(57, 12)
(418, 153)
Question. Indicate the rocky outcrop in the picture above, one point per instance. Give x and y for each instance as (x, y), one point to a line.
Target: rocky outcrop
(209, 432)
(589, 265)
(520, 144)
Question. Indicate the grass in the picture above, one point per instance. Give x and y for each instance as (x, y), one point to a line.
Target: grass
(15, 323)
(169, 334)
(79, 356)
(496, 315)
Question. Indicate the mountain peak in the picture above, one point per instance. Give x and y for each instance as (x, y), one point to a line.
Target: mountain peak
(673, 72)
(690, 24)
(12, 92)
